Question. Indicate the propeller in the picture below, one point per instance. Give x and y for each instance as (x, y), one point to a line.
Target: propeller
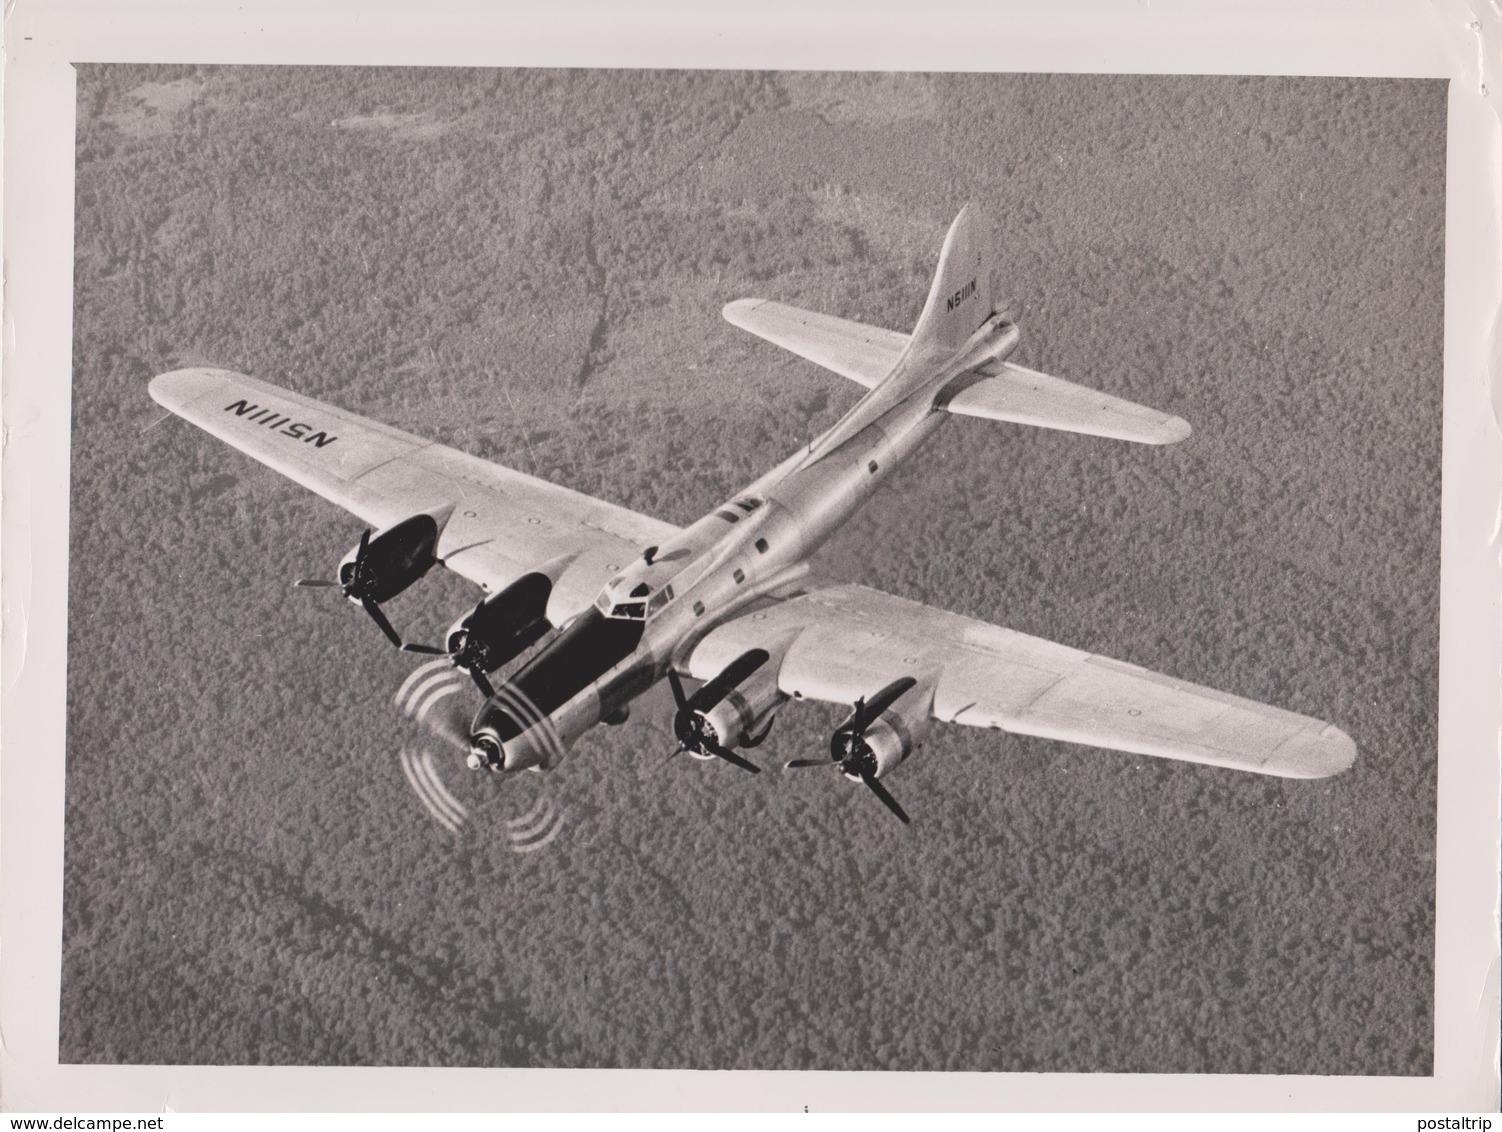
(359, 587)
(690, 729)
(874, 785)
(858, 764)
(468, 652)
(848, 749)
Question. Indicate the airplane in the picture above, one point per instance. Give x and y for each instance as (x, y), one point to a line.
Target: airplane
(599, 603)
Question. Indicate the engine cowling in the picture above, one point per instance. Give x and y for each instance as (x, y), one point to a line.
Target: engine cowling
(391, 560)
(510, 732)
(883, 747)
(879, 735)
(502, 626)
(744, 716)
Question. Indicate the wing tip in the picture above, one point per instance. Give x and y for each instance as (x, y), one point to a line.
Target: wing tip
(732, 312)
(1322, 754)
(172, 389)
(1176, 429)
(178, 387)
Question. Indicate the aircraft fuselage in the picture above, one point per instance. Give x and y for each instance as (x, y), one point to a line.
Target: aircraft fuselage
(757, 544)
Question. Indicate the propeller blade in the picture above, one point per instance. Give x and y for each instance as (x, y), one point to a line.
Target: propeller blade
(885, 699)
(678, 697)
(315, 584)
(481, 682)
(425, 650)
(797, 764)
(676, 751)
(886, 799)
(356, 570)
(732, 758)
(857, 724)
(380, 619)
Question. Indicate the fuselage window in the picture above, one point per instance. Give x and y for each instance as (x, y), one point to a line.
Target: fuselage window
(761, 546)
(728, 515)
(749, 504)
(739, 575)
(698, 609)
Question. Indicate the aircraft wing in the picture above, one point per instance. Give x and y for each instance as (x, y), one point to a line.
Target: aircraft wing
(848, 641)
(503, 524)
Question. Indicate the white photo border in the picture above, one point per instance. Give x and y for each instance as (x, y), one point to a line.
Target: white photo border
(1446, 39)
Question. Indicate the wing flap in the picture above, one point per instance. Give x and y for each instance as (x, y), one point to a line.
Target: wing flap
(1008, 392)
(864, 354)
(851, 640)
(501, 524)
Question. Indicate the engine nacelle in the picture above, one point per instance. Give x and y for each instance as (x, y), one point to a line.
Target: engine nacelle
(886, 745)
(504, 625)
(509, 733)
(886, 742)
(562, 691)
(394, 558)
(741, 719)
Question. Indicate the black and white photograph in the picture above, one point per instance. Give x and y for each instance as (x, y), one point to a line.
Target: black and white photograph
(790, 557)
(684, 569)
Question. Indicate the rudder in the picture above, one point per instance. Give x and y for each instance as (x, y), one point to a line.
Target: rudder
(960, 298)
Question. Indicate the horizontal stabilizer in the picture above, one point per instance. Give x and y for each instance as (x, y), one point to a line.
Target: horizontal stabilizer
(1008, 392)
(864, 354)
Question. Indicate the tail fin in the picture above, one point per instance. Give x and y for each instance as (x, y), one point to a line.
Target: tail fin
(960, 298)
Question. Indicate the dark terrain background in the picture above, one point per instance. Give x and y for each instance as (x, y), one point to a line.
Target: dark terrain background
(529, 265)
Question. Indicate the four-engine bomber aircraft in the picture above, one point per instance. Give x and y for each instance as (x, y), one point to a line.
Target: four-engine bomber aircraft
(600, 603)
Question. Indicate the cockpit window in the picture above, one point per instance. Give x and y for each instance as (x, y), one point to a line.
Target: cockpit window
(642, 590)
(728, 515)
(749, 504)
(631, 610)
